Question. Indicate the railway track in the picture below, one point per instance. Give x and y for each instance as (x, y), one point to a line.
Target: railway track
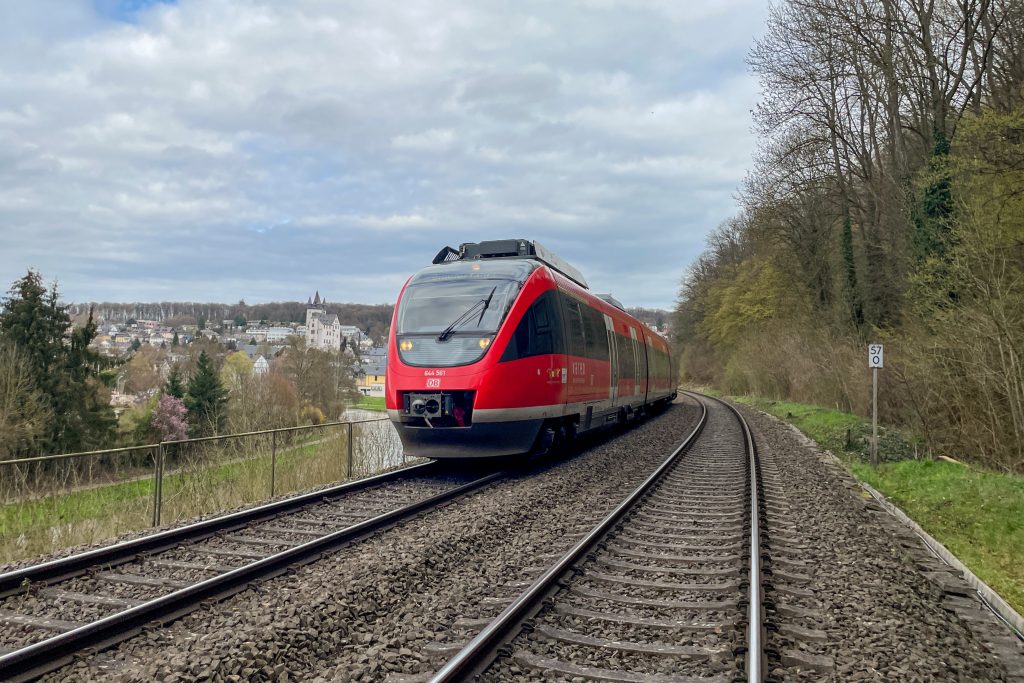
(666, 589)
(52, 611)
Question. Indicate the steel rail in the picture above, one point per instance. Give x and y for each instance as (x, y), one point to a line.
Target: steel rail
(478, 654)
(17, 581)
(755, 610)
(48, 655)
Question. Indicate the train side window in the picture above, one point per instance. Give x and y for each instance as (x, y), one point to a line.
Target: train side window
(538, 332)
(596, 333)
(574, 326)
(641, 352)
(627, 366)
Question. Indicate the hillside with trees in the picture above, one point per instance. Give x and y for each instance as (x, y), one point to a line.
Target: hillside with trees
(886, 203)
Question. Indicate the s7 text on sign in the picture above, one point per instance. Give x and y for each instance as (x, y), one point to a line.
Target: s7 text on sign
(875, 356)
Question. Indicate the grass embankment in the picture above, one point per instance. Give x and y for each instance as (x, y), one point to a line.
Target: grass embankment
(371, 403)
(978, 515)
(216, 482)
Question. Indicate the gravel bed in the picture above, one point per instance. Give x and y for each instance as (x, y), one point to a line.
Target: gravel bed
(693, 637)
(719, 659)
(674, 561)
(883, 620)
(693, 616)
(374, 607)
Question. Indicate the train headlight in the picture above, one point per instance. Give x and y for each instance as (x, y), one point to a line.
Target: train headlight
(406, 345)
(484, 343)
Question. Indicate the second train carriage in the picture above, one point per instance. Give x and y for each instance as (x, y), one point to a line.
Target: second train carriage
(499, 348)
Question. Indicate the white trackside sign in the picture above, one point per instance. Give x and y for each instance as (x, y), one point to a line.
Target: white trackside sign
(875, 356)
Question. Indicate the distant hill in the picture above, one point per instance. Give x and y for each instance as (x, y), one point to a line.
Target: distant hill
(650, 316)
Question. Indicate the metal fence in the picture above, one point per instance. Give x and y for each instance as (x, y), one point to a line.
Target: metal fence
(53, 501)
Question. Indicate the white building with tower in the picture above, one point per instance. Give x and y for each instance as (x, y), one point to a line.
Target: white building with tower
(323, 329)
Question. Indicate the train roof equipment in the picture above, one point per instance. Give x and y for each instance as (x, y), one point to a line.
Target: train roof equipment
(609, 299)
(493, 249)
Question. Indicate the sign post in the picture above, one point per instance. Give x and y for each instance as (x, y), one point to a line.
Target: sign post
(875, 361)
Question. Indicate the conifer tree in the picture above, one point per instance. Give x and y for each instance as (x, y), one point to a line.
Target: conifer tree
(174, 386)
(206, 399)
(64, 369)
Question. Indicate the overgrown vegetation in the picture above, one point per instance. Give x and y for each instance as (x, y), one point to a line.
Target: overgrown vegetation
(886, 204)
(978, 515)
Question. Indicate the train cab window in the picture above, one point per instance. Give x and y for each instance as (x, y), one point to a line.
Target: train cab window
(539, 331)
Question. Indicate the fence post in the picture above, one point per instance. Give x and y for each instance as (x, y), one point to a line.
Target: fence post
(273, 462)
(348, 473)
(158, 483)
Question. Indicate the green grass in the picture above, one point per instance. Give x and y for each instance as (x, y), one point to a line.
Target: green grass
(828, 427)
(978, 515)
(371, 403)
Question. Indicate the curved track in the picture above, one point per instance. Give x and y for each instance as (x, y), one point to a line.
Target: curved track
(51, 611)
(667, 588)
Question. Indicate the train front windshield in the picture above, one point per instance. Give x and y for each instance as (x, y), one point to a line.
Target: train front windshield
(449, 313)
(475, 306)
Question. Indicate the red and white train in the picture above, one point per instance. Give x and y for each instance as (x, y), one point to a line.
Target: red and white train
(499, 348)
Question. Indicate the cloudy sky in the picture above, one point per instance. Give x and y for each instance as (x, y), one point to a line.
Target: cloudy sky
(214, 150)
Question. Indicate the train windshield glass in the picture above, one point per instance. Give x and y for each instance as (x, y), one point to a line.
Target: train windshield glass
(474, 306)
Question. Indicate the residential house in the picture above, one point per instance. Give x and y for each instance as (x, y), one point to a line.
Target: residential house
(370, 381)
(278, 334)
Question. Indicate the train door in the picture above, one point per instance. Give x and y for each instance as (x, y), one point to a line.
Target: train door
(645, 366)
(635, 350)
(613, 360)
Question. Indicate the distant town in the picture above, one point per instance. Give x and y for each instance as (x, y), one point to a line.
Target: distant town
(261, 341)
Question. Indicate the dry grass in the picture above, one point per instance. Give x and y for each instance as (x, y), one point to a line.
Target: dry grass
(91, 501)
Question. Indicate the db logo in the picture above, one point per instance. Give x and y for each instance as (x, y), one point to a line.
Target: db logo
(433, 383)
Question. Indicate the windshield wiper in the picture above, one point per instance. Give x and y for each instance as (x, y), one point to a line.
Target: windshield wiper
(466, 315)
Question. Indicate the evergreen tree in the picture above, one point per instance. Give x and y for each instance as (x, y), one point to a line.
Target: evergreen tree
(206, 399)
(174, 386)
(134, 346)
(176, 342)
(64, 369)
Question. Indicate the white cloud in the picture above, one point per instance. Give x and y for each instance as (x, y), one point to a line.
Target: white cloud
(217, 141)
(433, 140)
